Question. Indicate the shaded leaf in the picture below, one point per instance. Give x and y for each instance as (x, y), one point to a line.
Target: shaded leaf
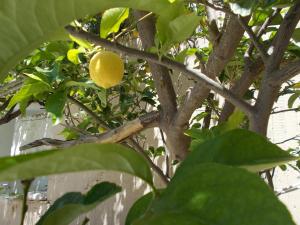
(216, 194)
(55, 103)
(22, 30)
(71, 205)
(79, 158)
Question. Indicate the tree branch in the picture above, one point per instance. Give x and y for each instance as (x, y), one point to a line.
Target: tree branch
(283, 36)
(287, 110)
(89, 112)
(262, 29)
(254, 39)
(113, 136)
(130, 140)
(9, 116)
(240, 87)
(286, 73)
(222, 53)
(177, 142)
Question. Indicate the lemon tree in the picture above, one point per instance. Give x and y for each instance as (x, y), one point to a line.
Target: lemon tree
(132, 65)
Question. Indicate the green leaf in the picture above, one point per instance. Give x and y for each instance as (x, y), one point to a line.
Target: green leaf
(52, 74)
(69, 134)
(111, 21)
(73, 56)
(240, 148)
(212, 194)
(30, 88)
(26, 24)
(139, 208)
(81, 42)
(292, 99)
(55, 103)
(71, 205)
(75, 159)
(296, 35)
(183, 26)
(201, 135)
(39, 77)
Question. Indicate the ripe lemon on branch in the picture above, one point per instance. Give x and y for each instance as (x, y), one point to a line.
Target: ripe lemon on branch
(106, 69)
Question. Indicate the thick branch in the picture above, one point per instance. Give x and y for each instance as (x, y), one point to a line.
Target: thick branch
(222, 53)
(177, 142)
(113, 136)
(240, 87)
(200, 77)
(286, 73)
(283, 36)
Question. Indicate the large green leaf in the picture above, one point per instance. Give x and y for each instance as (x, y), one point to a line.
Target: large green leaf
(26, 24)
(214, 194)
(240, 148)
(71, 205)
(112, 19)
(75, 159)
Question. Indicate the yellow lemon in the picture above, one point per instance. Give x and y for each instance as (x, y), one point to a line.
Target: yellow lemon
(106, 69)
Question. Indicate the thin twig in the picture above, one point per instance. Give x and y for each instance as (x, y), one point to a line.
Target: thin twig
(262, 29)
(295, 138)
(254, 39)
(132, 26)
(286, 110)
(288, 189)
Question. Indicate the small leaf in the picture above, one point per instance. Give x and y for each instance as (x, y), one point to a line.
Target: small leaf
(240, 148)
(292, 100)
(30, 88)
(73, 56)
(79, 158)
(69, 134)
(56, 102)
(296, 35)
(81, 42)
(71, 205)
(111, 21)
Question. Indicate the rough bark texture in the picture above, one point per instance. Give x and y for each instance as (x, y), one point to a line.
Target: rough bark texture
(222, 53)
(176, 141)
(251, 72)
(269, 90)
